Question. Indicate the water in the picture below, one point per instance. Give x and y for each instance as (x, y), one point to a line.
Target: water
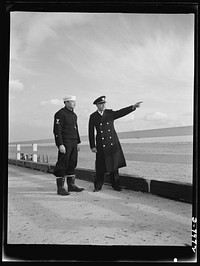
(146, 161)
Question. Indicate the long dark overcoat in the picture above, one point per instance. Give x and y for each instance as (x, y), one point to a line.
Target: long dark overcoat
(109, 156)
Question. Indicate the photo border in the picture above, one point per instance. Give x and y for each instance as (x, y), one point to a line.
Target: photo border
(89, 252)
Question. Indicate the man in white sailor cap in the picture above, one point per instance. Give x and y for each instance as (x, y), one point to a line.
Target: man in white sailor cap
(67, 139)
(106, 145)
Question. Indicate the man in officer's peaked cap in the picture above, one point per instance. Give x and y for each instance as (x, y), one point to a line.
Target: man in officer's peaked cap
(99, 100)
(106, 145)
(67, 139)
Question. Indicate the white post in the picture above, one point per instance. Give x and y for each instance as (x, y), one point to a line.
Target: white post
(35, 152)
(18, 152)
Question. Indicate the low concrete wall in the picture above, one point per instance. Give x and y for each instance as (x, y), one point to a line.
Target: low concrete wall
(173, 190)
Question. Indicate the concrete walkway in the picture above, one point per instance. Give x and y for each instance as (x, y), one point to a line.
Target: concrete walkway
(37, 215)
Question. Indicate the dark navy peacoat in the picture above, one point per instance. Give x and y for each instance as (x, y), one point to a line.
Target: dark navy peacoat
(109, 156)
(65, 126)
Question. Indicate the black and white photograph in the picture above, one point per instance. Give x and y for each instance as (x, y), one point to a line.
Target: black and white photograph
(101, 131)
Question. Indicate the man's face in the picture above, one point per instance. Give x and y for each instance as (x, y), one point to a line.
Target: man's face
(70, 104)
(101, 106)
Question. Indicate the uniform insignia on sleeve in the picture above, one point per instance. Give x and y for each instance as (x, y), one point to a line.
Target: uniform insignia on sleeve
(57, 121)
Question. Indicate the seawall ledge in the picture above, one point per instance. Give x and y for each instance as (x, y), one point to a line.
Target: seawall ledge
(168, 189)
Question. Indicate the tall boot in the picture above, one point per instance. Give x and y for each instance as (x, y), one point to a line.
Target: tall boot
(60, 187)
(71, 184)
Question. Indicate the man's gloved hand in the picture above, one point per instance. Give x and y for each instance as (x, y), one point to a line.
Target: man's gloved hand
(136, 105)
(94, 150)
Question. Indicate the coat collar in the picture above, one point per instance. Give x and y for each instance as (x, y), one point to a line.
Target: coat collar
(104, 112)
(68, 110)
(100, 112)
(101, 117)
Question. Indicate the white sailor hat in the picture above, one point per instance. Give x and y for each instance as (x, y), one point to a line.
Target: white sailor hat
(69, 98)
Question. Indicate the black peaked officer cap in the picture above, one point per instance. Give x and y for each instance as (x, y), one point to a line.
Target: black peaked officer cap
(101, 99)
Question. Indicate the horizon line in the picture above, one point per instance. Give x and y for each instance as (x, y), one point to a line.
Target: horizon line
(146, 133)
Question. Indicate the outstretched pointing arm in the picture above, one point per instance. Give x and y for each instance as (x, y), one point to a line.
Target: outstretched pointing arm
(125, 111)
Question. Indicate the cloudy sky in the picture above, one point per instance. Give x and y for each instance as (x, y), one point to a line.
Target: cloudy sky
(127, 57)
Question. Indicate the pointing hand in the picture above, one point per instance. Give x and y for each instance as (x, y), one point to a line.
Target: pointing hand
(136, 105)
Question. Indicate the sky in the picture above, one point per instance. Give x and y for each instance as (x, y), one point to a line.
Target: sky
(126, 57)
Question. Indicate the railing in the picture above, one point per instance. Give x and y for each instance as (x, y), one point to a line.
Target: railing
(152, 133)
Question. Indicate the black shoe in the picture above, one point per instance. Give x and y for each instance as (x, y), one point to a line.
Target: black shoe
(96, 190)
(75, 188)
(118, 188)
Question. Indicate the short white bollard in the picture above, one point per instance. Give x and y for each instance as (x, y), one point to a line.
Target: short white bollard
(18, 151)
(34, 152)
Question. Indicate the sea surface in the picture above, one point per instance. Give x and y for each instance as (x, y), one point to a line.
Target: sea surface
(170, 161)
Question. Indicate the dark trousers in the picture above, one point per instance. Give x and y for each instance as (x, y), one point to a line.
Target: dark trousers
(99, 180)
(67, 162)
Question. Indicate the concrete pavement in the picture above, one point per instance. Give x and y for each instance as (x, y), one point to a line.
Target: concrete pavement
(37, 215)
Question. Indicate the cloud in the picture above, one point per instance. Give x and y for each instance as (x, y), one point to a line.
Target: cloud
(16, 86)
(188, 114)
(42, 103)
(128, 118)
(56, 101)
(161, 63)
(51, 102)
(156, 117)
(126, 57)
(43, 27)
